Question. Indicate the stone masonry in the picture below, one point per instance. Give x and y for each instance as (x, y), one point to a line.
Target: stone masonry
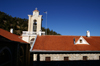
(60, 57)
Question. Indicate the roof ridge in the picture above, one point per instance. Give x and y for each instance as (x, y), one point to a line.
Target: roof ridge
(10, 36)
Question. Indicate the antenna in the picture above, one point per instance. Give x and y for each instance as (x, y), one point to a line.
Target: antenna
(46, 21)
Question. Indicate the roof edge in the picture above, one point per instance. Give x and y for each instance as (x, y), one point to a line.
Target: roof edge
(61, 51)
(33, 43)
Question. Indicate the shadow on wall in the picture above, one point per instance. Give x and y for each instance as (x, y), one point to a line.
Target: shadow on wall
(14, 53)
(5, 56)
(67, 63)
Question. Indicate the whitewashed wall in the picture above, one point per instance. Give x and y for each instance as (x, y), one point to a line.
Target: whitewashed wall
(60, 57)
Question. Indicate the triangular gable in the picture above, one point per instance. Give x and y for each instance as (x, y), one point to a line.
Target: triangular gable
(81, 40)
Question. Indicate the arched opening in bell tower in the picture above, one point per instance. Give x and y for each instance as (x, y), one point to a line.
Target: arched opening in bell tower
(34, 25)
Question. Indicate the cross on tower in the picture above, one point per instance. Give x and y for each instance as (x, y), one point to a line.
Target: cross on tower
(35, 8)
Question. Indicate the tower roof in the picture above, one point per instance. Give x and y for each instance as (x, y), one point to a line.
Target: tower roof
(36, 10)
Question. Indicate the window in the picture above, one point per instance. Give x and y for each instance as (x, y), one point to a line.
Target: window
(34, 25)
(5, 57)
(47, 59)
(66, 58)
(84, 57)
(80, 40)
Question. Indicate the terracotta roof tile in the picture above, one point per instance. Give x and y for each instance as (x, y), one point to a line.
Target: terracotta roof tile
(10, 36)
(76, 39)
(66, 43)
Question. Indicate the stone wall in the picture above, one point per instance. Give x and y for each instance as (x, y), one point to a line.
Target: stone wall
(60, 57)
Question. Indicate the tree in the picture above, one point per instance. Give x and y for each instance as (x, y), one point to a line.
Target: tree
(18, 24)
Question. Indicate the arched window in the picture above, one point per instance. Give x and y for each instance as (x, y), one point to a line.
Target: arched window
(5, 57)
(34, 25)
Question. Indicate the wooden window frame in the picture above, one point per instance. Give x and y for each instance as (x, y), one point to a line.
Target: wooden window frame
(66, 58)
(47, 58)
(80, 40)
(85, 58)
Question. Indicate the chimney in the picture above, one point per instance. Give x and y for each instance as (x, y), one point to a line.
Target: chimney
(11, 30)
(40, 33)
(88, 33)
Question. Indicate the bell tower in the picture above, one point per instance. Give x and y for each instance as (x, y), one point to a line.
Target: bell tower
(34, 22)
(34, 27)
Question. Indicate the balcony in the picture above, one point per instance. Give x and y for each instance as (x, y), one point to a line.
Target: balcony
(26, 33)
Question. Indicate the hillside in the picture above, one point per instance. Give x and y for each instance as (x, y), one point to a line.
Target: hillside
(18, 24)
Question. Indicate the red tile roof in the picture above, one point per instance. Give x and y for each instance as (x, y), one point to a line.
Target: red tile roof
(66, 43)
(10, 36)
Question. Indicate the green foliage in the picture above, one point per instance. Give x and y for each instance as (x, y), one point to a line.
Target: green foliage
(50, 32)
(18, 24)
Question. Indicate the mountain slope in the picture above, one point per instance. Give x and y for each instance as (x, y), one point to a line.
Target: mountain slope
(18, 24)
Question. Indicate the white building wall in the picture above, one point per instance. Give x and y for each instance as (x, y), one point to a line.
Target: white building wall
(25, 38)
(28, 38)
(60, 57)
(34, 57)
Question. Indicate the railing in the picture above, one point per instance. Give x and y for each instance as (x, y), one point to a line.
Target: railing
(32, 33)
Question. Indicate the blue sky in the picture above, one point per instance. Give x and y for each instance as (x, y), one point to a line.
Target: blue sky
(67, 17)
